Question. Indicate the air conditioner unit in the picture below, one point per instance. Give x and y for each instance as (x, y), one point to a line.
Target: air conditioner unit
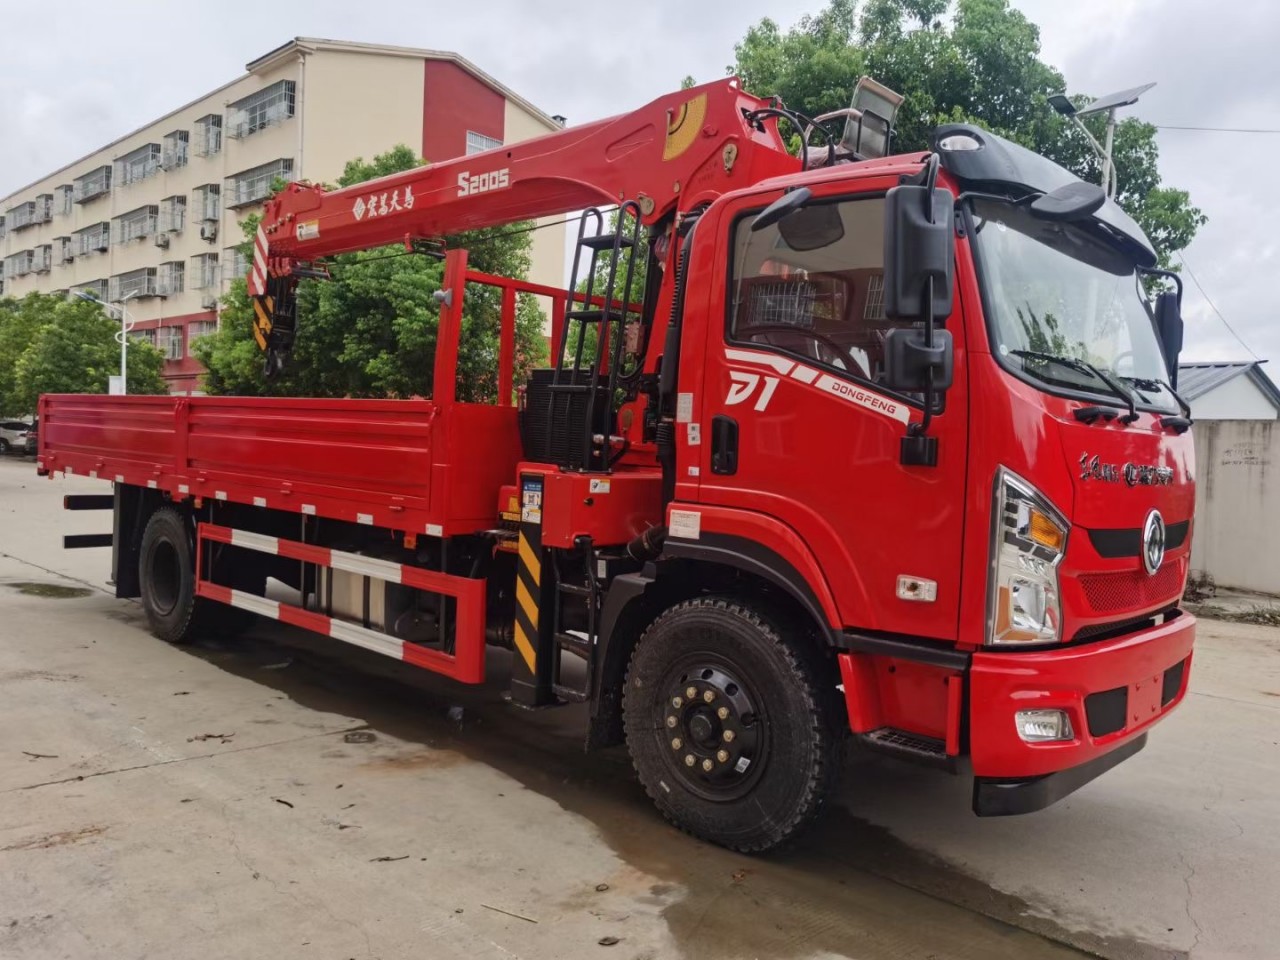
(209, 302)
(162, 240)
(209, 230)
(68, 257)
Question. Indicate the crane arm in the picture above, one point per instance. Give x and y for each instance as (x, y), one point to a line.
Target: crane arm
(685, 146)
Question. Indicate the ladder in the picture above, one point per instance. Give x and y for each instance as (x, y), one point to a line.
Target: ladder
(587, 593)
(589, 355)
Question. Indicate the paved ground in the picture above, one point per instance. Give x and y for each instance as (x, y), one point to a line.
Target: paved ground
(287, 796)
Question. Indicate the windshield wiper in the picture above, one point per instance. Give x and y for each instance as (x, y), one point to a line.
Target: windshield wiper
(1082, 366)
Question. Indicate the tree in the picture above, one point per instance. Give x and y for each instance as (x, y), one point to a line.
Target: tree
(974, 61)
(74, 350)
(370, 331)
(20, 321)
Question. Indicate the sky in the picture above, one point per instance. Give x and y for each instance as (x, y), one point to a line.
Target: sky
(77, 75)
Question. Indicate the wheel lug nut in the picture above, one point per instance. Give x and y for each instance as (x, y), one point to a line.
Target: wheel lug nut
(728, 736)
(707, 765)
(688, 759)
(723, 713)
(676, 743)
(708, 695)
(691, 692)
(672, 721)
(722, 756)
(677, 701)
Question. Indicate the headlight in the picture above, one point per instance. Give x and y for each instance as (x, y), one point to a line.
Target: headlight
(1028, 541)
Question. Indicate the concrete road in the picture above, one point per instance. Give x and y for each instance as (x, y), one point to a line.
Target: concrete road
(283, 795)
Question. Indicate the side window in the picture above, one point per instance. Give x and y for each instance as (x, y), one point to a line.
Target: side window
(812, 286)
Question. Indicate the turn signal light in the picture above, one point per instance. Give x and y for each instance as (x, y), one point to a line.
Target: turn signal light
(1044, 531)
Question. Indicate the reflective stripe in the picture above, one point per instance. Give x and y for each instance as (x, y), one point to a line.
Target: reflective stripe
(366, 566)
(255, 541)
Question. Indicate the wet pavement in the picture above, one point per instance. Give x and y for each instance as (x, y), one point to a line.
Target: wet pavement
(289, 795)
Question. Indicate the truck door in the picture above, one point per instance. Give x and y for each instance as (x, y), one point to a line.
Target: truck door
(787, 419)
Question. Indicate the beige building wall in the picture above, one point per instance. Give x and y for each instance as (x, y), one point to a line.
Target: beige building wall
(358, 104)
(1237, 521)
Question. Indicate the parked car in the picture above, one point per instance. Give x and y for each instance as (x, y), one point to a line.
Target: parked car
(17, 436)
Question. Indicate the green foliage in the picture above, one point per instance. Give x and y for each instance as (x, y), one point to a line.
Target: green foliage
(973, 61)
(370, 331)
(52, 345)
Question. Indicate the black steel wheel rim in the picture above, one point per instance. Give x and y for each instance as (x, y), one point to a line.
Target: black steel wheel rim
(712, 728)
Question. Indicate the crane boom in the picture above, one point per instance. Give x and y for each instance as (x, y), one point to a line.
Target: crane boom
(690, 145)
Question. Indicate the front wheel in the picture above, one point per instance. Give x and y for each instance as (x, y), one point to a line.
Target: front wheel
(731, 730)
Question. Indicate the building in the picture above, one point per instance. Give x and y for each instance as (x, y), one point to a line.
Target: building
(153, 218)
(1235, 407)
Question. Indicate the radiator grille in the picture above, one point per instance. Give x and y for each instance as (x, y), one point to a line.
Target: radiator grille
(1127, 590)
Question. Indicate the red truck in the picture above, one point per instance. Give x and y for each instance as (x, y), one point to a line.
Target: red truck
(830, 444)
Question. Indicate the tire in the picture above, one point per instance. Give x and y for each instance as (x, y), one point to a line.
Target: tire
(4, 446)
(166, 576)
(761, 728)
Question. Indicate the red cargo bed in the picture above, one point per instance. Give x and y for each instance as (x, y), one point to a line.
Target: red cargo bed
(411, 465)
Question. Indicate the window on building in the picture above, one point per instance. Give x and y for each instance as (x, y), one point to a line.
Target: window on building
(94, 239)
(171, 343)
(235, 264)
(175, 149)
(39, 210)
(64, 249)
(94, 288)
(94, 184)
(64, 200)
(204, 271)
(42, 261)
(144, 336)
(138, 164)
(478, 142)
(173, 213)
(208, 140)
(170, 279)
(2, 228)
(273, 104)
(254, 185)
(207, 201)
(135, 283)
(18, 264)
(136, 224)
(200, 328)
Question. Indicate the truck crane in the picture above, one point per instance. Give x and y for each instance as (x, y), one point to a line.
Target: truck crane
(882, 447)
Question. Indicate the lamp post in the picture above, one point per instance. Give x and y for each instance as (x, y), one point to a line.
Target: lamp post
(122, 335)
(1110, 103)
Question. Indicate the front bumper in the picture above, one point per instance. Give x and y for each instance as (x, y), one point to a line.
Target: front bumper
(1113, 691)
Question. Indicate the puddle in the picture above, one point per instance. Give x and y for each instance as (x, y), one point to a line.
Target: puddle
(52, 591)
(849, 888)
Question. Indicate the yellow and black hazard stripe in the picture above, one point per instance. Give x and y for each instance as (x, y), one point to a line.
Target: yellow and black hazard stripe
(528, 593)
(263, 308)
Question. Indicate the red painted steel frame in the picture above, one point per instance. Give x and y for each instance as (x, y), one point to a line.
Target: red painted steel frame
(465, 665)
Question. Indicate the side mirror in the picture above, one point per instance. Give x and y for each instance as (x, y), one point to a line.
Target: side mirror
(919, 247)
(789, 202)
(908, 361)
(1168, 319)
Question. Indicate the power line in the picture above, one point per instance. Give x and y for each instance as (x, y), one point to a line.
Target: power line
(1191, 273)
(1163, 126)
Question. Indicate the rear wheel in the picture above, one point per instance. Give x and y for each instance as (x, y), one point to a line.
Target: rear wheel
(166, 576)
(731, 731)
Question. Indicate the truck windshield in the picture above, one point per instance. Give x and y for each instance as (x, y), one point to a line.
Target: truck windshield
(1056, 291)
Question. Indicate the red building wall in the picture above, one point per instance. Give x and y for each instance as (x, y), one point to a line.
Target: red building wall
(183, 376)
(454, 102)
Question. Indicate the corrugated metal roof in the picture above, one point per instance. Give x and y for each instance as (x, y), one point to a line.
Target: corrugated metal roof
(1197, 379)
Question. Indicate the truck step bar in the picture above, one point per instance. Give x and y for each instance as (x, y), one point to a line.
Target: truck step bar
(466, 664)
(909, 746)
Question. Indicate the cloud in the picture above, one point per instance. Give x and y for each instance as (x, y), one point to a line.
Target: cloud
(78, 74)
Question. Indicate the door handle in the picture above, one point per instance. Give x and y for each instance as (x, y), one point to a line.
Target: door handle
(724, 445)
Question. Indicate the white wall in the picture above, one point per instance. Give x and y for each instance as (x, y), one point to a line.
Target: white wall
(1237, 523)
(1237, 399)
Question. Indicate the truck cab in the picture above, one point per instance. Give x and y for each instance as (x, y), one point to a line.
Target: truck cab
(1013, 600)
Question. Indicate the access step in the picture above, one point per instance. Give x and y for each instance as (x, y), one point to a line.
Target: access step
(607, 241)
(909, 746)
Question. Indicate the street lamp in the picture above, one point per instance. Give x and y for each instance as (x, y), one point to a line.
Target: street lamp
(1110, 103)
(122, 335)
